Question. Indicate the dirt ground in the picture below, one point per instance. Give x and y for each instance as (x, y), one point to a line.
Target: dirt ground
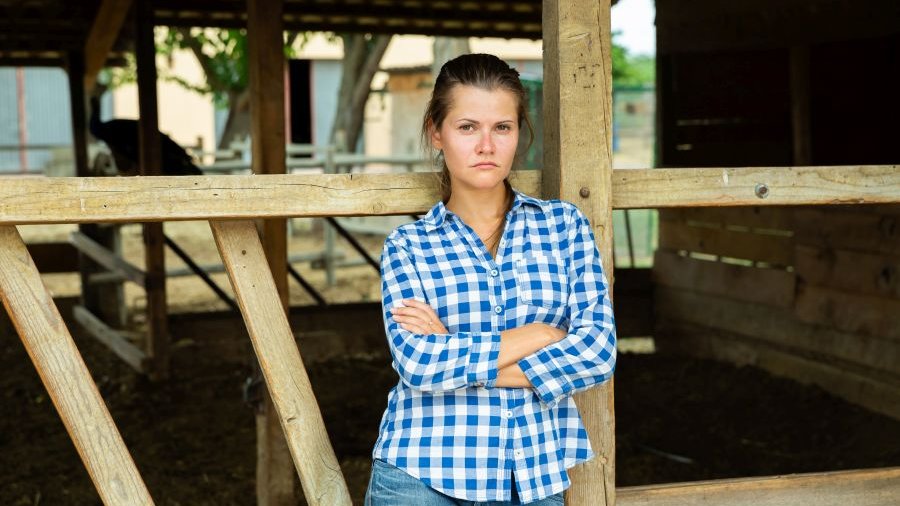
(193, 437)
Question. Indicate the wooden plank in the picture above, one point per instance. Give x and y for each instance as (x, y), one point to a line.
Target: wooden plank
(100, 40)
(275, 480)
(54, 257)
(172, 198)
(754, 217)
(151, 165)
(281, 364)
(116, 342)
(841, 228)
(873, 184)
(800, 117)
(107, 258)
(855, 313)
(780, 329)
(864, 487)
(851, 271)
(771, 287)
(67, 379)
(872, 393)
(578, 168)
(773, 249)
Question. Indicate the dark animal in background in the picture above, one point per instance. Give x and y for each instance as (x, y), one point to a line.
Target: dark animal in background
(121, 135)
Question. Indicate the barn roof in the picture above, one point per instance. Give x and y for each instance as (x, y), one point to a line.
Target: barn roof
(43, 32)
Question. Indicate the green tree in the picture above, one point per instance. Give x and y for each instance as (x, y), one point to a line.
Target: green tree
(628, 70)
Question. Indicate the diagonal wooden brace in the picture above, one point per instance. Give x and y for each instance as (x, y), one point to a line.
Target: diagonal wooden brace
(279, 359)
(61, 368)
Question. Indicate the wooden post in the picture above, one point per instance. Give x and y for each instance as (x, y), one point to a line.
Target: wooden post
(106, 302)
(275, 479)
(67, 379)
(151, 165)
(578, 168)
(800, 124)
(297, 412)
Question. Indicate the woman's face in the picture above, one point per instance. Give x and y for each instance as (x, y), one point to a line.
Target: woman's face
(479, 136)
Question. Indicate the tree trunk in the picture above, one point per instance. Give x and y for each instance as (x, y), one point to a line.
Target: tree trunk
(237, 126)
(361, 59)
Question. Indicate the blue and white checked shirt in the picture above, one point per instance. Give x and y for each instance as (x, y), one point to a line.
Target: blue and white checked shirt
(446, 423)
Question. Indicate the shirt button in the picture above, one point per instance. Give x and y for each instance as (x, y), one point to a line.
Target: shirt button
(509, 414)
(494, 272)
(498, 309)
(478, 384)
(518, 453)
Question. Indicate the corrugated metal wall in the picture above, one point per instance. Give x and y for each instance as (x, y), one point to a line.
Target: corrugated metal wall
(47, 119)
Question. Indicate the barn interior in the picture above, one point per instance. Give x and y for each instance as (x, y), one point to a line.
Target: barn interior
(802, 299)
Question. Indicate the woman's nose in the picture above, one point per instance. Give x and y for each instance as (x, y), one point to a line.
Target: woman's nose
(486, 144)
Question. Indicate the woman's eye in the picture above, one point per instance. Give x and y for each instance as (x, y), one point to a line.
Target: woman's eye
(504, 127)
(467, 128)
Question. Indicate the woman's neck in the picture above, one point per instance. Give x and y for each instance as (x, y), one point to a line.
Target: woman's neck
(481, 207)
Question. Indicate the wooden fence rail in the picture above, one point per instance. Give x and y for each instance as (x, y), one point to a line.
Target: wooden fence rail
(172, 198)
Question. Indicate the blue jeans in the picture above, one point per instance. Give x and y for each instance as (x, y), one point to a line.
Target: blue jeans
(390, 486)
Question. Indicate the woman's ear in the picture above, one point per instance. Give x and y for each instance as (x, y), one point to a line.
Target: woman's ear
(435, 136)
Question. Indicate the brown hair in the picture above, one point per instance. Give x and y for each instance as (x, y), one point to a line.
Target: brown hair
(484, 71)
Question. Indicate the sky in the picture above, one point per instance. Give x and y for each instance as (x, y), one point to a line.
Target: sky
(634, 18)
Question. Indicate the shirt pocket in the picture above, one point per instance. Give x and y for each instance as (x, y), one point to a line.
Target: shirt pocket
(541, 281)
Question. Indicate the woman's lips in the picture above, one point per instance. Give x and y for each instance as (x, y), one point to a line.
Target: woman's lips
(485, 165)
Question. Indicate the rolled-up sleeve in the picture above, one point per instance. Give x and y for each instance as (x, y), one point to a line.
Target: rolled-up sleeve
(433, 362)
(586, 356)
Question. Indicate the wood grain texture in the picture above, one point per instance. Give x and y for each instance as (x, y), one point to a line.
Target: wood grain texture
(773, 249)
(105, 30)
(172, 198)
(779, 328)
(855, 313)
(150, 162)
(67, 379)
(654, 188)
(866, 487)
(851, 271)
(578, 168)
(844, 227)
(280, 361)
(275, 479)
(771, 287)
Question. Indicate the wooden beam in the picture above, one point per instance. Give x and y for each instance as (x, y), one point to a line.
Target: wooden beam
(115, 341)
(174, 198)
(578, 168)
(282, 367)
(107, 258)
(772, 287)
(150, 159)
(100, 40)
(714, 187)
(800, 108)
(867, 487)
(275, 480)
(67, 379)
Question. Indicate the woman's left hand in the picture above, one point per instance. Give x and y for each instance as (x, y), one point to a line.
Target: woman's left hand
(417, 316)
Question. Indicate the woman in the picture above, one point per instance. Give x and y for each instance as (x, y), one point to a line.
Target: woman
(496, 312)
